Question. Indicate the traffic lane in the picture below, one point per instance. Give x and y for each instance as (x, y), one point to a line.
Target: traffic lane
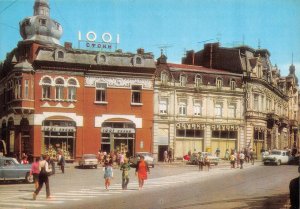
(242, 188)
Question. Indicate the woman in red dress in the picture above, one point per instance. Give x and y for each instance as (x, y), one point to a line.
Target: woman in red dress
(141, 171)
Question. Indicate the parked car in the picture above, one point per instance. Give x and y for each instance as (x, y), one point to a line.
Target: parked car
(11, 169)
(88, 160)
(277, 157)
(148, 158)
(212, 158)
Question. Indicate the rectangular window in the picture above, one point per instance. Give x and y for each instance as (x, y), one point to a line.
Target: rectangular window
(59, 92)
(255, 102)
(191, 133)
(71, 93)
(46, 92)
(26, 90)
(18, 89)
(197, 108)
(101, 92)
(232, 111)
(136, 92)
(43, 22)
(163, 106)
(182, 107)
(218, 110)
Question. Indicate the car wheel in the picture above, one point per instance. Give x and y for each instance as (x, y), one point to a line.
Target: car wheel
(278, 162)
(29, 178)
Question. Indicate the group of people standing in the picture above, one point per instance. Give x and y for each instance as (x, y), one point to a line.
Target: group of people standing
(42, 168)
(141, 171)
(168, 156)
(237, 159)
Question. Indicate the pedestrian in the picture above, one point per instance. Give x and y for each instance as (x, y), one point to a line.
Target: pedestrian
(166, 156)
(294, 193)
(200, 161)
(251, 153)
(61, 161)
(218, 152)
(207, 162)
(125, 167)
(108, 173)
(242, 158)
(237, 157)
(232, 160)
(170, 157)
(227, 155)
(34, 171)
(24, 160)
(141, 171)
(43, 177)
(51, 164)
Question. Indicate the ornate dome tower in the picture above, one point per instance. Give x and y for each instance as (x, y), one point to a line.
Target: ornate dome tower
(41, 27)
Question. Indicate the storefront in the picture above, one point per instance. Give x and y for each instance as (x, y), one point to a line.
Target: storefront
(118, 136)
(59, 135)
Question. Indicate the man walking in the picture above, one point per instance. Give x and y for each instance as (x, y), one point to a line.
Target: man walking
(242, 158)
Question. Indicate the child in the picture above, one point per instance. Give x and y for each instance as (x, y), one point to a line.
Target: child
(108, 173)
(125, 167)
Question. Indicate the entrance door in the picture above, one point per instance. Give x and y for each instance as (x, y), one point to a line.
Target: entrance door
(161, 150)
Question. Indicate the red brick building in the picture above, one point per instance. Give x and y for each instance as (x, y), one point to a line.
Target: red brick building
(56, 97)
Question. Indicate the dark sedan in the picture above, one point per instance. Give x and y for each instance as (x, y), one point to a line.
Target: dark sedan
(11, 169)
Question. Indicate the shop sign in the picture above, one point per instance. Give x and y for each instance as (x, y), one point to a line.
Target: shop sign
(93, 41)
(58, 129)
(118, 130)
(190, 126)
(224, 127)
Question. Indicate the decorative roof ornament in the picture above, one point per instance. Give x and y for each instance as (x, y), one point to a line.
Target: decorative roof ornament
(40, 27)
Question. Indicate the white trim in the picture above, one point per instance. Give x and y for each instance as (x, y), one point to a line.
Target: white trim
(39, 118)
(100, 119)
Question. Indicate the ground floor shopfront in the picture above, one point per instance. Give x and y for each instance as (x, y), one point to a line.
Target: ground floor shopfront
(183, 138)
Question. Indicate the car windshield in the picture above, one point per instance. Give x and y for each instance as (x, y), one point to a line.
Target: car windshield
(144, 154)
(89, 156)
(276, 153)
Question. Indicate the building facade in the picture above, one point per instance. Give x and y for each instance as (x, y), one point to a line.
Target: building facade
(59, 98)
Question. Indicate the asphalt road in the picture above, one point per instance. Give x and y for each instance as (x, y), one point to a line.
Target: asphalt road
(168, 187)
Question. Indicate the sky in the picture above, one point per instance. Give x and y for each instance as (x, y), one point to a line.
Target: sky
(175, 25)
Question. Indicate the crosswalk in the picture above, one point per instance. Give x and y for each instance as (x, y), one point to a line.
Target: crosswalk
(10, 199)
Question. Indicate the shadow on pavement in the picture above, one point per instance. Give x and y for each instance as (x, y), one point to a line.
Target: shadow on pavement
(265, 202)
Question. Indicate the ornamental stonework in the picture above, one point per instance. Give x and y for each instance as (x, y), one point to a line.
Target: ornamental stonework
(118, 82)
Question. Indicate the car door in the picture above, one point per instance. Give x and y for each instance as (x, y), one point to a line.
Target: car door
(9, 169)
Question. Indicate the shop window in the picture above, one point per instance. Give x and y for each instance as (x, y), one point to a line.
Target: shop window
(163, 106)
(183, 80)
(101, 92)
(182, 107)
(180, 133)
(198, 81)
(190, 133)
(232, 134)
(215, 134)
(136, 92)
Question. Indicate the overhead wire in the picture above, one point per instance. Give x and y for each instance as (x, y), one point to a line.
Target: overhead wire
(3, 10)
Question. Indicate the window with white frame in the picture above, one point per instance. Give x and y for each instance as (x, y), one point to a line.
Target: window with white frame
(26, 89)
(183, 80)
(163, 106)
(268, 105)
(256, 102)
(59, 89)
(232, 84)
(164, 78)
(197, 107)
(101, 92)
(232, 110)
(72, 89)
(198, 80)
(218, 109)
(182, 107)
(136, 91)
(219, 83)
(18, 89)
(46, 88)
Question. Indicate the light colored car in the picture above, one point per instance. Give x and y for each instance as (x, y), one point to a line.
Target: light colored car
(148, 158)
(11, 169)
(88, 160)
(212, 159)
(277, 157)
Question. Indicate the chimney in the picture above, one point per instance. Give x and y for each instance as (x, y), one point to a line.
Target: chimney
(68, 45)
(140, 51)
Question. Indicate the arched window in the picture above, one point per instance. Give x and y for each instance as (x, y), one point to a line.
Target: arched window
(72, 89)
(183, 80)
(232, 84)
(46, 88)
(138, 60)
(219, 83)
(59, 88)
(60, 54)
(198, 80)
